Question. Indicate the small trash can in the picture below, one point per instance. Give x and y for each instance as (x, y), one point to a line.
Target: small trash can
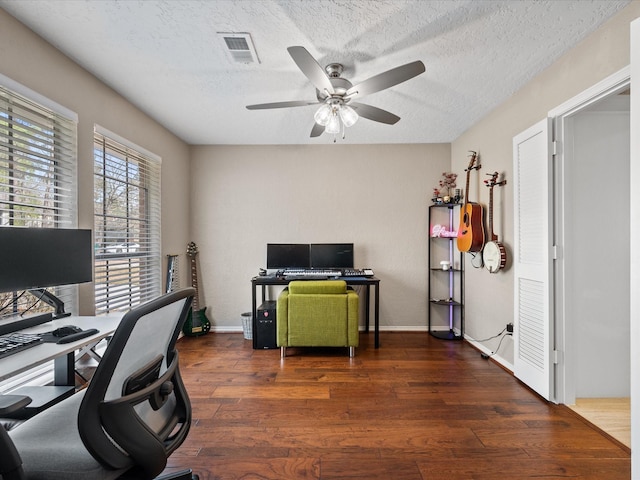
(247, 327)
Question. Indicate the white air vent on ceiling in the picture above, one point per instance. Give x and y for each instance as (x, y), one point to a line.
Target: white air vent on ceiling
(239, 47)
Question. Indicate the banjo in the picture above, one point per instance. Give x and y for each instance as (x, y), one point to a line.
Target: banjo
(494, 253)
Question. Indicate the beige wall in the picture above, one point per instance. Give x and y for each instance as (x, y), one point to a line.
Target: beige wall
(489, 297)
(374, 196)
(30, 61)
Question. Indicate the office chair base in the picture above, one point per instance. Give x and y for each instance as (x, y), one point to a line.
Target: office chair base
(181, 475)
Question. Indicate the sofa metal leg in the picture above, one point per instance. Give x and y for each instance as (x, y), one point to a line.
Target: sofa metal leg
(283, 352)
(352, 352)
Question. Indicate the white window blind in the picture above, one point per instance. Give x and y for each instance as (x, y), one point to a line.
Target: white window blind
(127, 224)
(38, 181)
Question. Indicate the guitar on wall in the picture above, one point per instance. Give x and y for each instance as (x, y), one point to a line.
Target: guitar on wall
(172, 274)
(494, 253)
(197, 322)
(471, 229)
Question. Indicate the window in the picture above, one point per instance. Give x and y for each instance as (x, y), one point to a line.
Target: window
(37, 175)
(127, 223)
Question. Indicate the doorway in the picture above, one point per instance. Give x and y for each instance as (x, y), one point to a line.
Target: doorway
(593, 270)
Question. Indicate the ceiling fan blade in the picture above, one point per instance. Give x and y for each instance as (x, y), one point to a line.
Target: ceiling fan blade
(311, 68)
(374, 113)
(387, 79)
(295, 103)
(317, 130)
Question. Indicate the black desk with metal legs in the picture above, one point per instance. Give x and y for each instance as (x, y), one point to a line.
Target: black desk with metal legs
(368, 282)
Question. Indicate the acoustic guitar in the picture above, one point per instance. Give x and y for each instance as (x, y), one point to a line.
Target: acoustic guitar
(494, 253)
(197, 322)
(471, 228)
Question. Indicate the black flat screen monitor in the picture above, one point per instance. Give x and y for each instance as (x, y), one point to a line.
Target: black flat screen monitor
(331, 255)
(287, 255)
(44, 257)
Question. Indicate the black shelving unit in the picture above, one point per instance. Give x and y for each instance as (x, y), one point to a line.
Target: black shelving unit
(445, 286)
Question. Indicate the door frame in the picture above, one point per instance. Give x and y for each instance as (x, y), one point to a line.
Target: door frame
(563, 325)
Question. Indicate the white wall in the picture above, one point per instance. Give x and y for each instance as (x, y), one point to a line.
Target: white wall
(374, 196)
(596, 251)
(489, 298)
(30, 61)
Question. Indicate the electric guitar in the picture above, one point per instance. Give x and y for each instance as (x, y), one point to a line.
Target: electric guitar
(494, 253)
(471, 228)
(197, 322)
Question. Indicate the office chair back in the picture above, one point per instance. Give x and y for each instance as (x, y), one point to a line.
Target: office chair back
(136, 411)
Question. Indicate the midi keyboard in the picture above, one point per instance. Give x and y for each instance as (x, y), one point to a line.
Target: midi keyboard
(323, 274)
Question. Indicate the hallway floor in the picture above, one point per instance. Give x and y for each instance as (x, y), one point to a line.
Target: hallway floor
(612, 415)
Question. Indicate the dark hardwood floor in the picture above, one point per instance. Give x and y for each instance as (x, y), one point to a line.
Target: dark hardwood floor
(418, 408)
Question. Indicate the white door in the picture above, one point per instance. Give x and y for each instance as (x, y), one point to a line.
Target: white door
(532, 258)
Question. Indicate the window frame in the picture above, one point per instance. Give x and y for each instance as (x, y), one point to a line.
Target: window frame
(38, 174)
(127, 265)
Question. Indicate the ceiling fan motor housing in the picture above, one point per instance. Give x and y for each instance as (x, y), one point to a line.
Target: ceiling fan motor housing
(340, 85)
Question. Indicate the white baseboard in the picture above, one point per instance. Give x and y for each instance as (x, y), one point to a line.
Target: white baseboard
(386, 328)
(501, 360)
(396, 328)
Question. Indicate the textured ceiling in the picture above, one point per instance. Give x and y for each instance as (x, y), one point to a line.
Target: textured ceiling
(165, 57)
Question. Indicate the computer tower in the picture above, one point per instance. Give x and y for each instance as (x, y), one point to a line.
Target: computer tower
(264, 336)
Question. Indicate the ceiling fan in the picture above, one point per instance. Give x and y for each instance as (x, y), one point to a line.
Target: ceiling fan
(335, 94)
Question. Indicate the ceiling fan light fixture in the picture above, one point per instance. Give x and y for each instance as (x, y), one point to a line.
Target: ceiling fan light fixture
(348, 115)
(323, 114)
(333, 126)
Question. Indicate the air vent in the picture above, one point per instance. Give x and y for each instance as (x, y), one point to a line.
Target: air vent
(239, 47)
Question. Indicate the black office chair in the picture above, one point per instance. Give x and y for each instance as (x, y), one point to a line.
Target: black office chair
(125, 424)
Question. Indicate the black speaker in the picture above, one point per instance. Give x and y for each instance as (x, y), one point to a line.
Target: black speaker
(264, 336)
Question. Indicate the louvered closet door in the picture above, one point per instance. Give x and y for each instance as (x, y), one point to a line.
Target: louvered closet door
(532, 267)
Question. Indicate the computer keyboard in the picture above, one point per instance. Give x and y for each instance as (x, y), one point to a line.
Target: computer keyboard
(17, 342)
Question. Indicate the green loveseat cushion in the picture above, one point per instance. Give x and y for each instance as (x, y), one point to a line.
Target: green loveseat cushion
(318, 287)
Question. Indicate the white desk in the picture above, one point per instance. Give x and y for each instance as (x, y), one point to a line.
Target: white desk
(63, 355)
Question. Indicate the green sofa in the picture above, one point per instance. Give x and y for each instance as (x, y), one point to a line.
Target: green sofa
(317, 313)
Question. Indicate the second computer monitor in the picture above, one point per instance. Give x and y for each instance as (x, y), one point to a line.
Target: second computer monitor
(331, 255)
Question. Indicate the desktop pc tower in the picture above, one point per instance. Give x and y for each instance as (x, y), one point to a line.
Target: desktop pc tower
(264, 335)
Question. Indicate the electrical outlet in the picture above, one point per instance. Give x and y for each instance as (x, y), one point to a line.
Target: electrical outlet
(509, 327)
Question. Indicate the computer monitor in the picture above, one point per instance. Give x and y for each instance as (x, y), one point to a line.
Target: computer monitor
(44, 257)
(331, 255)
(287, 255)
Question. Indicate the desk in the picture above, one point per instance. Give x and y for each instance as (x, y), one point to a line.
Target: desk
(63, 355)
(368, 282)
